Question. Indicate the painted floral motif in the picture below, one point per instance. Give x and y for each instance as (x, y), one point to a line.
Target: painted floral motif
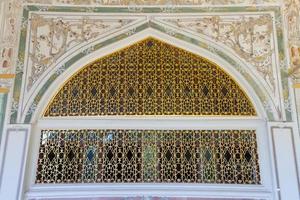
(294, 71)
(293, 18)
(53, 37)
(14, 106)
(10, 33)
(8, 38)
(292, 14)
(42, 30)
(249, 36)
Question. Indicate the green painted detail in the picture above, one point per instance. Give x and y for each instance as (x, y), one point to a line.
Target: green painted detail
(151, 9)
(262, 96)
(3, 101)
(283, 69)
(19, 69)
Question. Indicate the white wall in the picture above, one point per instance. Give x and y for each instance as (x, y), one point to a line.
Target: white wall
(14, 149)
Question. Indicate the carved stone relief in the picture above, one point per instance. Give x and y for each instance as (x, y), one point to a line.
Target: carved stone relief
(295, 62)
(248, 36)
(51, 37)
(292, 14)
(8, 39)
(54, 35)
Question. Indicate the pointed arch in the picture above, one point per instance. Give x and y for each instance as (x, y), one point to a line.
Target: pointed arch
(37, 104)
(151, 77)
(165, 123)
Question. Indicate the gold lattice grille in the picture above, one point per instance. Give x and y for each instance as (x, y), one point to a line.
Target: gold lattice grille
(150, 78)
(118, 156)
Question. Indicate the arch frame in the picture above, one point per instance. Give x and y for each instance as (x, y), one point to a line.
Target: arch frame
(275, 9)
(277, 110)
(258, 123)
(148, 32)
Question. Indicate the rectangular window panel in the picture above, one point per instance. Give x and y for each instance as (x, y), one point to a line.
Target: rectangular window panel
(161, 156)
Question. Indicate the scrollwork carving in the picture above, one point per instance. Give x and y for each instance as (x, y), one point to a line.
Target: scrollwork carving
(292, 14)
(248, 36)
(53, 37)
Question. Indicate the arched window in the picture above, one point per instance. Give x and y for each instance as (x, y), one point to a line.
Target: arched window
(149, 78)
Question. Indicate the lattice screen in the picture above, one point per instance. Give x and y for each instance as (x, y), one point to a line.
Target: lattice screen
(151, 78)
(161, 156)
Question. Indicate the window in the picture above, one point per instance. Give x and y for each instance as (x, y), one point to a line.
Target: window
(149, 78)
(171, 156)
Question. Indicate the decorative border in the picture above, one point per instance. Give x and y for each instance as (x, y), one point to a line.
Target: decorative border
(264, 99)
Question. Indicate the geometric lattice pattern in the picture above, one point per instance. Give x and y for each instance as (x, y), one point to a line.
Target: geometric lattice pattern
(160, 156)
(151, 78)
